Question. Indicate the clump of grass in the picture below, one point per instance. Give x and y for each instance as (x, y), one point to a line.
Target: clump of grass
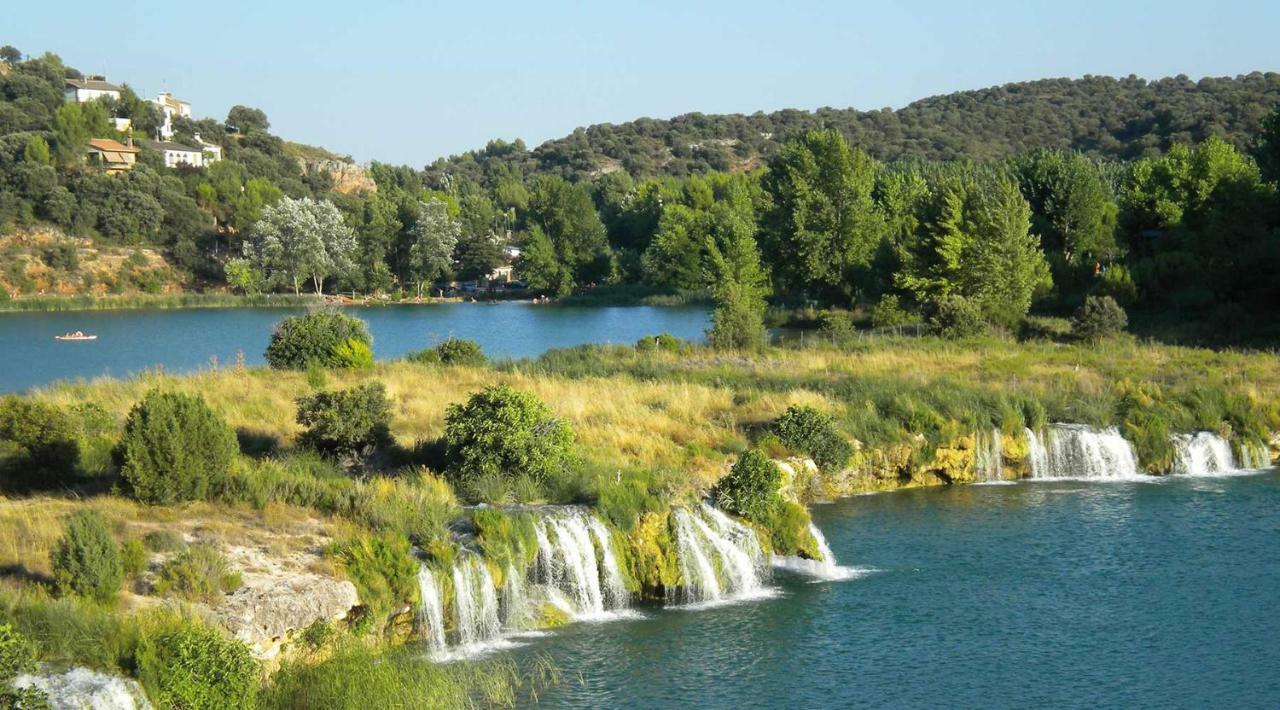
(198, 573)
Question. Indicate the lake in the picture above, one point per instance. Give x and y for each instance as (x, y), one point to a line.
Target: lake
(1159, 593)
(183, 340)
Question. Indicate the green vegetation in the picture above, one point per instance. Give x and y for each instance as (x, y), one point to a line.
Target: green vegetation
(17, 656)
(1099, 317)
(86, 561)
(198, 573)
(187, 665)
(503, 433)
(328, 338)
(39, 445)
(751, 488)
(814, 434)
(384, 572)
(174, 447)
(347, 422)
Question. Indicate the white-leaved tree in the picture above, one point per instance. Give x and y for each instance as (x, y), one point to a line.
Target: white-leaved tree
(434, 237)
(297, 240)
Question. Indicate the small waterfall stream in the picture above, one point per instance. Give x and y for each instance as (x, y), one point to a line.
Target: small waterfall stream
(821, 570)
(989, 457)
(1077, 451)
(1202, 453)
(431, 613)
(720, 558)
(475, 602)
(576, 559)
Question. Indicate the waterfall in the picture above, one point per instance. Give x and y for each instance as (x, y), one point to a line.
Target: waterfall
(720, 558)
(576, 558)
(1254, 455)
(514, 607)
(431, 613)
(475, 602)
(1075, 451)
(1202, 453)
(824, 569)
(83, 688)
(989, 457)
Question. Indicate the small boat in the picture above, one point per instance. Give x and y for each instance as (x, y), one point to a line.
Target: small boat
(78, 335)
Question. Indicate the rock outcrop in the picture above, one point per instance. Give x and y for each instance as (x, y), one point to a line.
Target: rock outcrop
(266, 616)
(348, 178)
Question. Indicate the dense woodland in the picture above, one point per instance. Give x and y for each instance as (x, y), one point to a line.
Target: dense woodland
(965, 210)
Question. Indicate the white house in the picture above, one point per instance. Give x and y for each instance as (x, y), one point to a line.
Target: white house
(90, 88)
(171, 106)
(176, 154)
(212, 151)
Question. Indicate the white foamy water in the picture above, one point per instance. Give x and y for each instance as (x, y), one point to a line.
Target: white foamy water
(826, 569)
(431, 613)
(720, 558)
(577, 566)
(1202, 453)
(83, 689)
(989, 457)
(1067, 451)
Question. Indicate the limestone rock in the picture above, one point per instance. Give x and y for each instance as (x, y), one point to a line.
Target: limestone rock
(265, 616)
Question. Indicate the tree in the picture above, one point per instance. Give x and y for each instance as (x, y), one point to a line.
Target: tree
(246, 119)
(37, 151)
(505, 432)
(347, 422)
(822, 226)
(540, 268)
(1268, 147)
(567, 216)
(1073, 210)
(740, 284)
(434, 236)
(315, 339)
(173, 448)
(86, 560)
(1098, 318)
(74, 124)
(39, 447)
(9, 54)
(301, 239)
(675, 256)
(975, 245)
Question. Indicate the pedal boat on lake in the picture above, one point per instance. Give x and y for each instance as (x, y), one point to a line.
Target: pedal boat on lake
(78, 335)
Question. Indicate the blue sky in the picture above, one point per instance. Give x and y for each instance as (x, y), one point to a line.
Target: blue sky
(407, 82)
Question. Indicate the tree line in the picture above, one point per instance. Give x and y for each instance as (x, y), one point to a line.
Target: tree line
(1187, 226)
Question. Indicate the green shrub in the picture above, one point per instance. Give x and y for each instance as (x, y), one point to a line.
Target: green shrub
(457, 351)
(316, 338)
(664, 342)
(17, 654)
(318, 635)
(428, 356)
(199, 573)
(316, 377)
(957, 317)
(39, 444)
(737, 323)
(194, 667)
(173, 446)
(813, 433)
(1099, 317)
(889, 313)
(134, 559)
(751, 487)
(384, 571)
(1117, 283)
(86, 560)
(837, 326)
(353, 354)
(502, 431)
(163, 541)
(346, 422)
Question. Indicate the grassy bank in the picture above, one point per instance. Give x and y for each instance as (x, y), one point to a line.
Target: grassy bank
(653, 427)
(50, 304)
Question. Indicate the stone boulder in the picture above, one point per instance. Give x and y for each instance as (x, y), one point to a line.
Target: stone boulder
(266, 616)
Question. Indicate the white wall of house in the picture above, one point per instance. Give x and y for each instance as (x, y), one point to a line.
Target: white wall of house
(174, 158)
(86, 95)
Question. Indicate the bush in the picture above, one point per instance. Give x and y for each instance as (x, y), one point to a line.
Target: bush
(502, 431)
(17, 654)
(352, 354)
(384, 571)
(86, 560)
(199, 573)
(737, 322)
(173, 447)
(195, 667)
(813, 433)
(837, 326)
(323, 338)
(1099, 317)
(957, 317)
(163, 541)
(134, 559)
(664, 342)
(457, 351)
(346, 422)
(38, 444)
(751, 487)
(889, 313)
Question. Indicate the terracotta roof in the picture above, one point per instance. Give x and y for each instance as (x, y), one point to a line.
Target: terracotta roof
(94, 84)
(108, 144)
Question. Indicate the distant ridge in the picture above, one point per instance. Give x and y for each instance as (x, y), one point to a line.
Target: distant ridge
(1102, 116)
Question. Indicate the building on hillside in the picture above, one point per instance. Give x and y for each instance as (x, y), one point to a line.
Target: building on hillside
(176, 154)
(112, 156)
(90, 88)
(212, 151)
(170, 107)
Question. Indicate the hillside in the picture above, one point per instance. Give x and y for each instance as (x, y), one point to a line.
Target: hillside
(1101, 116)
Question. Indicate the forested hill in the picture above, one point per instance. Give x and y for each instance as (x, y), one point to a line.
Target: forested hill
(1101, 116)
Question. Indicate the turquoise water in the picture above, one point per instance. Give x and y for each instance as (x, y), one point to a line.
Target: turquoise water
(1073, 594)
(182, 340)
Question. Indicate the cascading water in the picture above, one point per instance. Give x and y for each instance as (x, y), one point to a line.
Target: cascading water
(514, 600)
(720, 558)
(431, 613)
(1076, 451)
(1202, 453)
(989, 457)
(823, 569)
(475, 602)
(576, 559)
(1254, 455)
